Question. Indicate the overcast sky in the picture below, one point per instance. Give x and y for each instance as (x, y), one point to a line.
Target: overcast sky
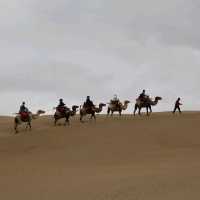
(73, 48)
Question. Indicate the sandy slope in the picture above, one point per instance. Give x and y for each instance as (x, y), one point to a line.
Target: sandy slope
(154, 158)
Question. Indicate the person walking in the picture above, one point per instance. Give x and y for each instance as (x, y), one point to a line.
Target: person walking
(177, 106)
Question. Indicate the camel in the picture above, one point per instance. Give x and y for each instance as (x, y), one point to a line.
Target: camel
(18, 120)
(68, 113)
(139, 105)
(85, 111)
(113, 108)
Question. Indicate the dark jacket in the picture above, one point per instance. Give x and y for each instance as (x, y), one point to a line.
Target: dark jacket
(142, 95)
(61, 104)
(89, 103)
(177, 104)
(23, 109)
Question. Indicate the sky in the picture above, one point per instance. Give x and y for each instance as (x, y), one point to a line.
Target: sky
(73, 48)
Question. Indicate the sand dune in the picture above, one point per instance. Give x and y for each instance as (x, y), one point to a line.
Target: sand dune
(115, 158)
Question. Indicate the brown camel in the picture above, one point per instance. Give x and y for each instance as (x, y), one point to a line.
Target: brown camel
(67, 114)
(146, 104)
(117, 108)
(91, 111)
(18, 120)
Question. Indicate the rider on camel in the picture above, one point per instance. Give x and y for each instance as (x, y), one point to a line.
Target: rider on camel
(23, 111)
(143, 96)
(115, 100)
(88, 104)
(61, 106)
(23, 108)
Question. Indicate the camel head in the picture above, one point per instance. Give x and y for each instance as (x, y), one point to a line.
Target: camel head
(39, 112)
(126, 102)
(74, 108)
(158, 98)
(100, 108)
(102, 104)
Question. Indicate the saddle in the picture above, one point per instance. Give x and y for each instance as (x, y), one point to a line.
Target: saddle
(143, 100)
(116, 103)
(24, 116)
(62, 109)
(88, 108)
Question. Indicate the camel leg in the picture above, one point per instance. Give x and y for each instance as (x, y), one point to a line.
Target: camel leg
(139, 112)
(147, 111)
(108, 111)
(55, 120)
(94, 117)
(15, 127)
(29, 124)
(120, 113)
(81, 117)
(16, 122)
(150, 109)
(91, 117)
(135, 110)
(67, 116)
(67, 121)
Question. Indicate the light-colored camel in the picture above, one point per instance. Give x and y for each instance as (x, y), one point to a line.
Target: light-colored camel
(85, 111)
(18, 120)
(67, 114)
(147, 104)
(117, 108)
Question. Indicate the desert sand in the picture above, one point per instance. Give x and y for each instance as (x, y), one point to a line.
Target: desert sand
(127, 158)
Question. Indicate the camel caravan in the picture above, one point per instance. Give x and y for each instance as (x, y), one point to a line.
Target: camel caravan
(89, 109)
